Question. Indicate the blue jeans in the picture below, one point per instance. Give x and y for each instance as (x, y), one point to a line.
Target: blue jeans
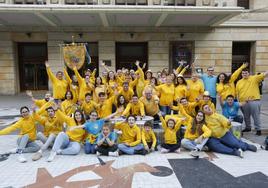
(129, 149)
(90, 148)
(191, 145)
(227, 144)
(165, 110)
(63, 142)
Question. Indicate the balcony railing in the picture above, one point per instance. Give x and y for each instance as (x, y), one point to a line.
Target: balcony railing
(216, 3)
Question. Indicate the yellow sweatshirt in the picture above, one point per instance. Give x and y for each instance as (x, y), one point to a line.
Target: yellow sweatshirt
(180, 92)
(148, 137)
(141, 82)
(229, 88)
(59, 86)
(105, 108)
(248, 89)
(68, 107)
(188, 132)
(51, 125)
(40, 103)
(218, 124)
(130, 135)
(195, 89)
(151, 106)
(209, 103)
(127, 94)
(166, 94)
(134, 109)
(189, 108)
(26, 126)
(88, 107)
(170, 135)
(76, 135)
(83, 86)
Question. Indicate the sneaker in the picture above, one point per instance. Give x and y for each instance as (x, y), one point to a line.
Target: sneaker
(140, 152)
(37, 156)
(258, 133)
(178, 150)
(21, 158)
(239, 153)
(98, 153)
(163, 150)
(252, 148)
(51, 156)
(246, 130)
(13, 151)
(195, 153)
(113, 154)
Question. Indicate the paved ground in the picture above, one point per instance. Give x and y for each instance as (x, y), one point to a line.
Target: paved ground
(153, 170)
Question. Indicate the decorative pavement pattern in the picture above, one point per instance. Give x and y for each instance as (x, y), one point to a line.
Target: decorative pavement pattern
(153, 170)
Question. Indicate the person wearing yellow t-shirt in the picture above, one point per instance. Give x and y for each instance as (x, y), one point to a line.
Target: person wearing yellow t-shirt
(105, 105)
(126, 91)
(68, 106)
(195, 88)
(26, 141)
(151, 103)
(206, 100)
(88, 105)
(181, 90)
(189, 107)
(39, 102)
(222, 139)
(130, 138)
(167, 92)
(148, 137)
(68, 143)
(52, 126)
(59, 85)
(134, 107)
(196, 133)
(247, 89)
(170, 127)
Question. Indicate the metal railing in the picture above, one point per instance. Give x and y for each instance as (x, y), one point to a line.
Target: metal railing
(216, 3)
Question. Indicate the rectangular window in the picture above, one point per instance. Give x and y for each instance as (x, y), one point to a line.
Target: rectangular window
(243, 3)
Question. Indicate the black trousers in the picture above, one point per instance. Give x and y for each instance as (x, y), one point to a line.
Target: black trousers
(150, 145)
(104, 150)
(171, 147)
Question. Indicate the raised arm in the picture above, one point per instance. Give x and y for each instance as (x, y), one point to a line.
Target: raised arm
(164, 124)
(139, 70)
(184, 70)
(69, 80)
(51, 76)
(79, 78)
(236, 74)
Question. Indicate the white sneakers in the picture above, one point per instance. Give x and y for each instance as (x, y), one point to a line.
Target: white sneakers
(113, 154)
(13, 151)
(37, 156)
(163, 150)
(21, 158)
(51, 156)
(98, 153)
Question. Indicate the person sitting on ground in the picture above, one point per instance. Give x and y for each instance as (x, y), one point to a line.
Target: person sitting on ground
(68, 143)
(52, 127)
(170, 127)
(106, 142)
(93, 127)
(130, 138)
(230, 109)
(148, 137)
(196, 133)
(26, 142)
(222, 139)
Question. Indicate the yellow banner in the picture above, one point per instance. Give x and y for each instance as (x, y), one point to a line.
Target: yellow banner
(74, 56)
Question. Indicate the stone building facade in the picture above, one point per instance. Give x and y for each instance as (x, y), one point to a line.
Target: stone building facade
(216, 42)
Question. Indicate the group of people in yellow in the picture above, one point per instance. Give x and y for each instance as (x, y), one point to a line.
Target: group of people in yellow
(80, 110)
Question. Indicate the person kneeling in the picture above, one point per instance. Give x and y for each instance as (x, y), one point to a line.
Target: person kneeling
(130, 138)
(106, 142)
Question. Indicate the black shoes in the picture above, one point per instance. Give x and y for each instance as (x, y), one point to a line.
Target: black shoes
(252, 148)
(258, 133)
(140, 152)
(246, 130)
